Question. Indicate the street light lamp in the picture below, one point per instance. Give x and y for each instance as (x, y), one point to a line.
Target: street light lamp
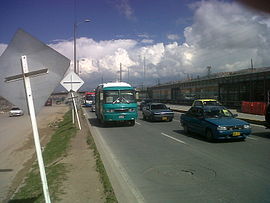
(74, 46)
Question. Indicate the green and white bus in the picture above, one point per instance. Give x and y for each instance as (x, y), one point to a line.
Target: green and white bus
(116, 102)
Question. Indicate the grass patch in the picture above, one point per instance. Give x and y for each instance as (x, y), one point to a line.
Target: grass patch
(108, 190)
(55, 150)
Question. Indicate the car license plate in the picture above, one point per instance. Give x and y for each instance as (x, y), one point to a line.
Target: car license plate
(164, 118)
(236, 133)
(121, 116)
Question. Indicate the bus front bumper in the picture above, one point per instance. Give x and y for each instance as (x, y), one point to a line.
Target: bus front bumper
(120, 116)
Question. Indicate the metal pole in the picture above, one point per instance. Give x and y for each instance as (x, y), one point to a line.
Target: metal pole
(120, 72)
(143, 69)
(31, 108)
(75, 108)
(78, 67)
(72, 105)
(128, 74)
(72, 110)
(74, 47)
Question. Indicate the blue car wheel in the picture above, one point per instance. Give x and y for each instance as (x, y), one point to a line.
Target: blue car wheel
(209, 135)
(186, 130)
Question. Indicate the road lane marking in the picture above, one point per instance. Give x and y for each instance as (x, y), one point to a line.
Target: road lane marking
(137, 123)
(261, 126)
(177, 140)
(251, 138)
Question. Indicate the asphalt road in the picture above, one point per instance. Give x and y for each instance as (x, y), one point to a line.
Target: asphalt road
(161, 164)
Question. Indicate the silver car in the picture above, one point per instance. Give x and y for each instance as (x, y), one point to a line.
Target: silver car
(15, 111)
(157, 112)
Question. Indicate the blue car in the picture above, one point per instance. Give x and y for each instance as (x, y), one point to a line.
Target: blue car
(214, 122)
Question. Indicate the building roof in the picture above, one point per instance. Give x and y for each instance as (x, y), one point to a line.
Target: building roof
(221, 75)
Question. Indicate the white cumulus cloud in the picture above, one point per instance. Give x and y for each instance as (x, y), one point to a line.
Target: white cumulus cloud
(173, 37)
(223, 35)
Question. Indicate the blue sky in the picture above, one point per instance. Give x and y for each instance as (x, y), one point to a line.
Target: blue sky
(111, 19)
(154, 40)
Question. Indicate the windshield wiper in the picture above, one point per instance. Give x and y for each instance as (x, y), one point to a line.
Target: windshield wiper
(121, 99)
(116, 101)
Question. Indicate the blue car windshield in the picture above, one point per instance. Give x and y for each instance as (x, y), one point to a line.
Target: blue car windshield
(217, 113)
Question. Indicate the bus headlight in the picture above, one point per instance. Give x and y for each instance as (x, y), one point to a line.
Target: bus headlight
(131, 110)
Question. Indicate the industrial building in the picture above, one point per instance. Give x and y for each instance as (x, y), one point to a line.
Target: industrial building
(230, 88)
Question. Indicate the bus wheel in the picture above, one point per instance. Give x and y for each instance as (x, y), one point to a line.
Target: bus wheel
(132, 123)
(102, 121)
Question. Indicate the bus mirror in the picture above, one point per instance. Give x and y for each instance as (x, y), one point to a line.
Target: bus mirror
(101, 96)
(137, 95)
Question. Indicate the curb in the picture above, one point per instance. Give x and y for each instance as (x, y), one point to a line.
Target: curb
(122, 186)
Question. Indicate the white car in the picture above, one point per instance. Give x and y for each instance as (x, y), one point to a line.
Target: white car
(15, 111)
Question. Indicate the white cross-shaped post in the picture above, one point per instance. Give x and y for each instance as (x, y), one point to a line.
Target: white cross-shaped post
(29, 97)
(75, 109)
(72, 82)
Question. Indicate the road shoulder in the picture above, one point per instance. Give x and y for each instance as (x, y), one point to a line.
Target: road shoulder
(83, 181)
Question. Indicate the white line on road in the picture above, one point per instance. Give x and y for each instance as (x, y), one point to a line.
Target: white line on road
(251, 138)
(137, 123)
(261, 126)
(174, 138)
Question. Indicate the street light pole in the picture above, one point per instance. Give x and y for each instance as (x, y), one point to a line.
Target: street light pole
(74, 46)
(74, 40)
(78, 65)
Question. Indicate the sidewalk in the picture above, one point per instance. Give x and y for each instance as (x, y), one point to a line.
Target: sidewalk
(251, 118)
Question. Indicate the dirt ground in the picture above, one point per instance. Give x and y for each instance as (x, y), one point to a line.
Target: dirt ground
(82, 183)
(17, 146)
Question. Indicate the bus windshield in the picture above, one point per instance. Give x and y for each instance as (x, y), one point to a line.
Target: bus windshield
(89, 97)
(119, 96)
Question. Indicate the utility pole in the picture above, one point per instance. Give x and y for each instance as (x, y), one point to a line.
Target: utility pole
(128, 74)
(100, 72)
(120, 72)
(208, 70)
(251, 63)
(78, 67)
(143, 68)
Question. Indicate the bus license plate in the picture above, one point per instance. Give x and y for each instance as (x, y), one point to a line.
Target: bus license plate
(236, 133)
(121, 116)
